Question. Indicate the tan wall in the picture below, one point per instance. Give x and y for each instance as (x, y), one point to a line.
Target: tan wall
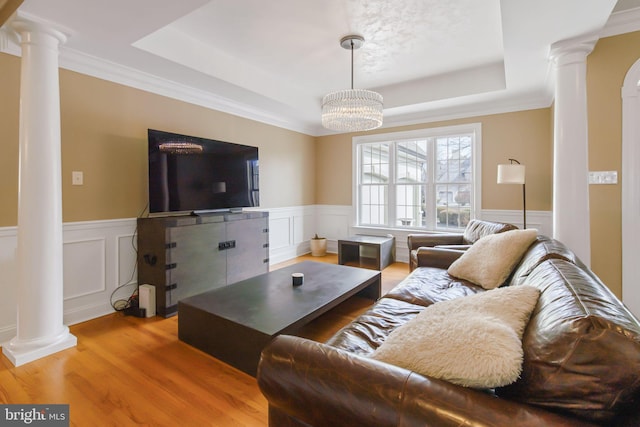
(525, 136)
(104, 134)
(104, 129)
(607, 67)
(9, 117)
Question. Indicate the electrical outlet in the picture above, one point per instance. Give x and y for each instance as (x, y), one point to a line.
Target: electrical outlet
(77, 178)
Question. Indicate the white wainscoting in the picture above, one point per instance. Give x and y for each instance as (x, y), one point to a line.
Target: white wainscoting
(290, 229)
(540, 220)
(99, 256)
(336, 222)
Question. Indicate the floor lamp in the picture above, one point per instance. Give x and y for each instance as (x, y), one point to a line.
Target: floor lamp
(513, 173)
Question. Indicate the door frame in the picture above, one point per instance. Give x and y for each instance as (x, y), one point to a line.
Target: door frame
(631, 189)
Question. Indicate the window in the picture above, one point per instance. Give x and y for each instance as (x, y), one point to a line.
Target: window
(419, 179)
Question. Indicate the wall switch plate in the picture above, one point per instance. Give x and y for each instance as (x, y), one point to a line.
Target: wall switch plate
(603, 177)
(77, 178)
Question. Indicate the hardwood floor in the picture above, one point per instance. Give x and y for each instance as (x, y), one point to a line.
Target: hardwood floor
(128, 371)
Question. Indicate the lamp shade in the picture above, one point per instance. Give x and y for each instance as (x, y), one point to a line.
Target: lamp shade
(511, 174)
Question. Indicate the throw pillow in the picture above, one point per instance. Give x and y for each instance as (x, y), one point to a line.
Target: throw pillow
(473, 341)
(490, 260)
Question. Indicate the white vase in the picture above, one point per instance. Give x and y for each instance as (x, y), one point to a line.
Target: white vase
(318, 247)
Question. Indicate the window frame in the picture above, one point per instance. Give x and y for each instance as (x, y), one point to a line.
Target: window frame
(445, 131)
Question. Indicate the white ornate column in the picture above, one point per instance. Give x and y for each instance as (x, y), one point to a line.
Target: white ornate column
(571, 221)
(40, 328)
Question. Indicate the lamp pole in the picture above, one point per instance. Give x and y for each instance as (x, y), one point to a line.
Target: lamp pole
(524, 200)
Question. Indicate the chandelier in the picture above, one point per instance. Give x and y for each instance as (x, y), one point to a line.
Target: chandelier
(352, 110)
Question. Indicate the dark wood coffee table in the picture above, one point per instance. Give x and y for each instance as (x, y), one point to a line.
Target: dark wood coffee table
(236, 322)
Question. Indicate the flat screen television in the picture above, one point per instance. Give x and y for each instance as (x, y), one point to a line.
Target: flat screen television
(190, 174)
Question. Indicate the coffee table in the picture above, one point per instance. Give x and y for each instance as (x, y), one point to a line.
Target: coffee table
(236, 322)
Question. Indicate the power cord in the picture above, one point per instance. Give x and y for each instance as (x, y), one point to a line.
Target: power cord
(131, 302)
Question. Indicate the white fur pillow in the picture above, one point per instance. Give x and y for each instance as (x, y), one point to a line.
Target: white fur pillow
(490, 260)
(473, 341)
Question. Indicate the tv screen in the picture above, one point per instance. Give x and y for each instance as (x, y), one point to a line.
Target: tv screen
(194, 174)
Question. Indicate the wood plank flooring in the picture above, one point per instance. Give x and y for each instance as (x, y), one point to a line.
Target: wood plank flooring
(127, 371)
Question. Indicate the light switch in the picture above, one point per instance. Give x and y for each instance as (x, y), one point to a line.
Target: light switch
(603, 177)
(77, 178)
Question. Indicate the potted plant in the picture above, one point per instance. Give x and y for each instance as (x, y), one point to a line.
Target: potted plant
(318, 246)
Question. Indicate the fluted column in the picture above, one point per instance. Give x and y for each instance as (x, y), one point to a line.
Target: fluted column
(40, 328)
(571, 221)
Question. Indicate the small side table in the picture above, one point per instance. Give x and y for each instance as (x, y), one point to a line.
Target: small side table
(375, 252)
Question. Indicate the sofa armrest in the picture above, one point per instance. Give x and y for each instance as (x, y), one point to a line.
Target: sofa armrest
(414, 241)
(455, 247)
(320, 385)
(437, 257)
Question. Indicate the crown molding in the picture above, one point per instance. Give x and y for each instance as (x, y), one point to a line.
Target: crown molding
(465, 111)
(74, 60)
(83, 63)
(626, 21)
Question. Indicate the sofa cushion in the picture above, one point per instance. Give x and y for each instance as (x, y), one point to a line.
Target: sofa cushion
(473, 341)
(490, 261)
(370, 329)
(426, 285)
(581, 347)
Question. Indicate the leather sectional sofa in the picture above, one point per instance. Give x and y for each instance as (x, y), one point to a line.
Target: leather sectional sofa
(581, 357)
(475, 230)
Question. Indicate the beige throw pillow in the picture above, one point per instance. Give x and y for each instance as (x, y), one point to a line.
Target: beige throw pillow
(472, 341)
(490, 260)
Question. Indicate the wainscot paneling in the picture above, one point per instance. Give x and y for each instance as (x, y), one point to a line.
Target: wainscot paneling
(338, 219)
(98, 256)
(290, 229)
(8, 283)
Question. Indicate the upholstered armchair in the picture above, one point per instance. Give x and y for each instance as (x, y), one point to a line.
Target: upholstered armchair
(452, 241)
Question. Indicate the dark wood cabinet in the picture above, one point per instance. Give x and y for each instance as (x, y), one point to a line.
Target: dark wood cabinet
(183, 256)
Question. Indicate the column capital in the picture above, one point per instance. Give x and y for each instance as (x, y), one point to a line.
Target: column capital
(573, 50)
(26, 26)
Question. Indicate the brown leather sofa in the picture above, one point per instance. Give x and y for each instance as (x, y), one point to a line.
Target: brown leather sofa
(581, 358)
(474, 230)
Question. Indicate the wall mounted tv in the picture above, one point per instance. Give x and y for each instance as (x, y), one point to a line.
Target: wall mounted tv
(190, 174)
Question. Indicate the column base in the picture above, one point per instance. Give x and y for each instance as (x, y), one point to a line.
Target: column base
(20, 353)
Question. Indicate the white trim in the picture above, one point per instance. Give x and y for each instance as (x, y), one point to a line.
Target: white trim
(540, 220)
(297, 223)
(626, 21)
(631, 188)
(290, 229)
(83, 63)
(475, 128)
(89, 280)
(465, 111)
(80, 62)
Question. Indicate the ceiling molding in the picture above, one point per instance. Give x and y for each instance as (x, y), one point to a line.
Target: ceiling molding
(82, 63)
(96, 67)
(74, 60)
(626, 21)
(463, 112)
